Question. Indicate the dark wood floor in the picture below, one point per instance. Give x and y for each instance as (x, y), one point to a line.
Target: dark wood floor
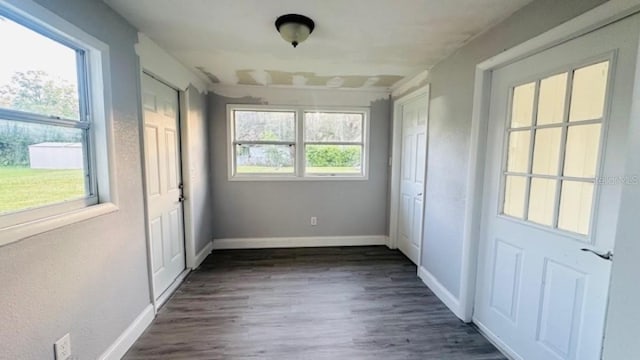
(308, 304)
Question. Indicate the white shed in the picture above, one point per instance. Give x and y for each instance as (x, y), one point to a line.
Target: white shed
(56, 155)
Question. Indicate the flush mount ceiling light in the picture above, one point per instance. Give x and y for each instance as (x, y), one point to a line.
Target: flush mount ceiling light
(294, 28)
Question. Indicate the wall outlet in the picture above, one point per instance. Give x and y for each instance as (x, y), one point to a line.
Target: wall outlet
(314, 221)
(62, 348)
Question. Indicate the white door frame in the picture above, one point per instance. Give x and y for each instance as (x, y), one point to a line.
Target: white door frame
(395, 160)
(594, 19)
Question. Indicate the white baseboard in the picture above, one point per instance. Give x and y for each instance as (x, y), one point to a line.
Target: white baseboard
(122, 344)
(441, 292)
(202, 255)
(499, 344)
(298, 242)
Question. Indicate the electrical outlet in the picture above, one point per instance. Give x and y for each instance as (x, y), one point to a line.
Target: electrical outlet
(63, 348)
(314, 221)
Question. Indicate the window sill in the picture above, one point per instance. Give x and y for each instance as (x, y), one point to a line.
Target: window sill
(22, 231)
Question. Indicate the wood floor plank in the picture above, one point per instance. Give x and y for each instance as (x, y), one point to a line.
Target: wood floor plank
(308, 304)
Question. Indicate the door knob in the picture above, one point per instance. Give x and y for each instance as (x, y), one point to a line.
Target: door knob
(419, 194)
(181, 198)
(607, 256)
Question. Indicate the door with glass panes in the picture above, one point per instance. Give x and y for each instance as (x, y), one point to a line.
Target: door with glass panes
(555, 137)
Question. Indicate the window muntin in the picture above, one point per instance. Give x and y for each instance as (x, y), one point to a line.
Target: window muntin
(296, 143)
(552, 153)
(264, 142)
(44, 131)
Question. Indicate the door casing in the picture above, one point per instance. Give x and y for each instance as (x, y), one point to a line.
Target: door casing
(395, 161)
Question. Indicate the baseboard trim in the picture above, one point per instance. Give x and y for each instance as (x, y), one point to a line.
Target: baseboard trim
(298, 242)
(202, 255)
(499, 344)
(122, 344)
(441, 292)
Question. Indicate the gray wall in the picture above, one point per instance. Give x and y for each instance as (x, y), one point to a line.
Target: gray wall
(452, 82)
(199, 169)
(283, 208)
(89, 278)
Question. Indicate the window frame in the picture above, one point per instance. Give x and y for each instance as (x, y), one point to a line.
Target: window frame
(299, 173)
(94, 95)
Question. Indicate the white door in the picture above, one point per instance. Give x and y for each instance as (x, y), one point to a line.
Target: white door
(556, 136)
(164, 182)
(412, 175)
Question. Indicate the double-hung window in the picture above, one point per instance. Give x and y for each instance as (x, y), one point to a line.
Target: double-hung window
(47, 152)
(297, 143)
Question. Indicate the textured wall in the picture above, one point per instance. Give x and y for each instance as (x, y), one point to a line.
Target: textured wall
(199, 169)
(90, 278)
(452, 82)
(283, 208)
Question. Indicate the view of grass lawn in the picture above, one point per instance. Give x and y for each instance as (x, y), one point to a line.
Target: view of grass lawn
(289, 170)
(22, 188)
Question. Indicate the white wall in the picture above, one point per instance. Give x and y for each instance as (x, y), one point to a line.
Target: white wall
(90, 278)
(249, 209)
(452, 83)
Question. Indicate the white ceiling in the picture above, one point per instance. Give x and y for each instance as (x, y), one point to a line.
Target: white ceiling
(356, 43)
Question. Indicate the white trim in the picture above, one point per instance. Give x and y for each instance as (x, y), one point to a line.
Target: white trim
(298, 242)
(162, 299)
(199, 258)
(299, 141)
(594, 19)
(440, 291)
(499, 344)
(21, 231)
(395, 161)
(129, 336)
(157, 61)
(403, 86)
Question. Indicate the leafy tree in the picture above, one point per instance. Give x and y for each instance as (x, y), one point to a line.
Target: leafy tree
(37, 92)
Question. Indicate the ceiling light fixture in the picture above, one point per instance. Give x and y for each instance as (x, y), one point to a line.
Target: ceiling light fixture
(294, 28)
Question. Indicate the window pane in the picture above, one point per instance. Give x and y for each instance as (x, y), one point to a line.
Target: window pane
(333, 159)
(546, 154)
(265, 126)
(37, 74)
(518, 152)
(588, 92)
(265, 159)
(333, 127)
(575, 207)
(514, 194)
(542, 201)
(522, 107)
(583, 144)
(39, 165)
(552, 97)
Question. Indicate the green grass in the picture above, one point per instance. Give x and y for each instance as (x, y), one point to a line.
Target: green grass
(289, 170)
(24, 188)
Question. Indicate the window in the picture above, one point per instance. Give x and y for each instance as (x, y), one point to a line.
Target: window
(268, 143)
(553, 146)
(51, 155)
